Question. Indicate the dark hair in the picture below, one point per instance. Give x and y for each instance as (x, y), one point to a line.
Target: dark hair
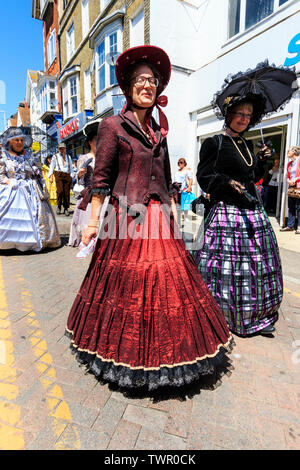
(89, 138)
(129, 72)
(182, 159)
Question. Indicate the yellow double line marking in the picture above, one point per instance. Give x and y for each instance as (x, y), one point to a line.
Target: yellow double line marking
(11, 437)
(289, 291)
(59, 412)
(58, 407)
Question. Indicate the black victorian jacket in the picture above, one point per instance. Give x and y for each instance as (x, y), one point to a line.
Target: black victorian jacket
(128, 164)
(218, 166)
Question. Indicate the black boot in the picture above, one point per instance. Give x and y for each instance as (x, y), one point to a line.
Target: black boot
(268, 330)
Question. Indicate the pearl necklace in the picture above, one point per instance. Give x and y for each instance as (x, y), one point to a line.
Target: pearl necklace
(249, 153)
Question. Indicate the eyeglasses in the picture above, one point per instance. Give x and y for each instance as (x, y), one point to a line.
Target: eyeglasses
(140, 81)
(243, 115)
(181, 163)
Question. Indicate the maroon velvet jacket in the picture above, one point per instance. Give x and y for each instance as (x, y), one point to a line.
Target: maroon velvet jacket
(128, 164)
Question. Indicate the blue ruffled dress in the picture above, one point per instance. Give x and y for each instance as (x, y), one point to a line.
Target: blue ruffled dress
(27, 221)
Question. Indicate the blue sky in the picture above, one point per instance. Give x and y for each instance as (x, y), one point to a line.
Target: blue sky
(21, 48)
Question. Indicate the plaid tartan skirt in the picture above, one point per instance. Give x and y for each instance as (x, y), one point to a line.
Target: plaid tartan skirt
(240, 263)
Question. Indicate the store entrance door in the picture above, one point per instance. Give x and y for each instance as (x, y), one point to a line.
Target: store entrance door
(272, 182)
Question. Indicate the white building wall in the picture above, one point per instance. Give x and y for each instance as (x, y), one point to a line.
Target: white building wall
(177, 113)
(137, 27)
(191, 35)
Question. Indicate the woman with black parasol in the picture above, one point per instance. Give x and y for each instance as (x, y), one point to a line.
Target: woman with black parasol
(240, 258)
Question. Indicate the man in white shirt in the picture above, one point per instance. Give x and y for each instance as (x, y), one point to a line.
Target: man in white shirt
(62, 167)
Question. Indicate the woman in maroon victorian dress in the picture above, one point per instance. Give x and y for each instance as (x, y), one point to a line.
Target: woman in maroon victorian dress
(143, 316)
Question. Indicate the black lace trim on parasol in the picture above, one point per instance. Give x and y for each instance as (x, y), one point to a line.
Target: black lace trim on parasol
(230, 77)
(176, 376)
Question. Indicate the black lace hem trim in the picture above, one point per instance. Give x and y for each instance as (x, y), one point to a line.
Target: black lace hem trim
(105, 191)
(177, 376)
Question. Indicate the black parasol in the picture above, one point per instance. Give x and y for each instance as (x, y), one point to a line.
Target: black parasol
(272, 86)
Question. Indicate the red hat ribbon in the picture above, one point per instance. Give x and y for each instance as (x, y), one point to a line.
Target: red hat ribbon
(161, 101)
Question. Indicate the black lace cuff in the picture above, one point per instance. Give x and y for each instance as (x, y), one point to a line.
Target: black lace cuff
(105, 191)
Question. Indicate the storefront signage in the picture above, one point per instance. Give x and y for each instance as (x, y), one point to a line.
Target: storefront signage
(71, 128)
(75, 125)
(294, 48)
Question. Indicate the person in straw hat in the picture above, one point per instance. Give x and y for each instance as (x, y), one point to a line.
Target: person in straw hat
(62, 168)
(143, 316)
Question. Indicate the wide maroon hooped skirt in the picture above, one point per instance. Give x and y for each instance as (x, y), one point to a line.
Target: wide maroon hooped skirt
(143, 315)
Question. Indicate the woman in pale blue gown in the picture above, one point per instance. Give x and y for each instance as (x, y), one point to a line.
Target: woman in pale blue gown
(27, 221)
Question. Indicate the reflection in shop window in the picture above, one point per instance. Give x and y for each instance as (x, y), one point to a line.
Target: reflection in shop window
(73, 89)
(106, 51)
(234, 17)
(101, 65)
(245, 13)
(70, 97)
(113, 47)
(257, 10)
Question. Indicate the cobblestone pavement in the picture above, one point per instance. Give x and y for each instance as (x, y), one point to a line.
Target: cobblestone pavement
(47, 401)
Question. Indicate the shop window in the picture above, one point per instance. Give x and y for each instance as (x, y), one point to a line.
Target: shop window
(51, 48)
(257, 10)
(70, 42)
(245, 13)
(70, 97)
(85, 17)
(73, 95)
(47, 96)
(101, 66)
(113, 47)
(106, 48)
